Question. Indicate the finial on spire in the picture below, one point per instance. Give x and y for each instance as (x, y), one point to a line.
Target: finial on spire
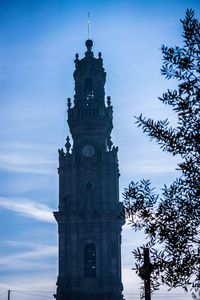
(89, 44)
(69, 102)
(108, 101)
(67, 145)
(109, 143)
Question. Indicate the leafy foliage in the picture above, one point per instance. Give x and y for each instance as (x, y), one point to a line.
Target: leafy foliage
(172, 222)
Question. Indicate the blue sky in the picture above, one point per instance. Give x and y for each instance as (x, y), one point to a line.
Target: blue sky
(38, 43)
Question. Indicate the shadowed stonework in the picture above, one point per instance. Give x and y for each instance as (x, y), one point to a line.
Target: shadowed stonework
(89, 220)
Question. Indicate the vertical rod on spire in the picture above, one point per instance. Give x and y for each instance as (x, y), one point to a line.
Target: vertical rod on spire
(88, 25)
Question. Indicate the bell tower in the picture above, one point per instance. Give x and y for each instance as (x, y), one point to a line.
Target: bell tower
(89, 216)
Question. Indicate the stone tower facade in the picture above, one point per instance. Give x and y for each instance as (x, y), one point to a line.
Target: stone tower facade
(89, 216)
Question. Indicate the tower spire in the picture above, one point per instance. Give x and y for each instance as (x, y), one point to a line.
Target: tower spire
(89, 29)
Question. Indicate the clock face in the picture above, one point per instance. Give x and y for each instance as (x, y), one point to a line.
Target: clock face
(88, 150)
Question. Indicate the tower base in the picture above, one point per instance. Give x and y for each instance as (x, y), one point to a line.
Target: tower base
(88, 297)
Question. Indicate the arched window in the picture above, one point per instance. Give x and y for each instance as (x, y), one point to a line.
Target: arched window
(90, 260)
(88, 85)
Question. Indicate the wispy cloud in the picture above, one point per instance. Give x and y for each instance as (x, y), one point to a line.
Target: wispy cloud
(152, 165)
(27, 158)
(28, 208)
(30, 259)
(133, 282)
(29, 266)
(26, 164)
(22, 286)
